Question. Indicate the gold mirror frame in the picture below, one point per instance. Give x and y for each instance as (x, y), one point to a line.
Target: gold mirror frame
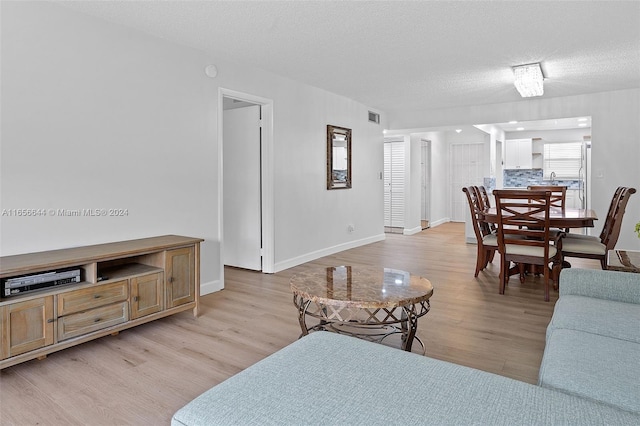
(338, 157)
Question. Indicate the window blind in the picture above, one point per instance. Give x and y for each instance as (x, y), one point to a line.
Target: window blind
(564, 159)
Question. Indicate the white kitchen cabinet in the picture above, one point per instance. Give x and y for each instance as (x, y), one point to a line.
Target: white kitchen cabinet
(572, 199)
(518, 154)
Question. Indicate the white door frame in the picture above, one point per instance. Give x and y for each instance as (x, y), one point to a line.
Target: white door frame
(268, 221)
(425, 150)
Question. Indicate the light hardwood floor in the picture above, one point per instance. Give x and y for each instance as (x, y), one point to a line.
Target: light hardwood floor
(143, 375)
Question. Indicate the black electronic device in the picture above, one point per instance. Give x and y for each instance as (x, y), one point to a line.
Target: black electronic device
(27, 283)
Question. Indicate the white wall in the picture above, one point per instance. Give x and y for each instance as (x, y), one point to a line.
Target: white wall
(95, 115)
(615, 139)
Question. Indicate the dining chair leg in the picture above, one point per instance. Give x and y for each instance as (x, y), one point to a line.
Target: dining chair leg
(492, 253)
(479, 260)
(488, 255)
(603, 262)
(521, 267)
(555, 274)
(504, 275)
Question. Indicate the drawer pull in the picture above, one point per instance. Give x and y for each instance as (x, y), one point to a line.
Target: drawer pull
(97, 320)
(136, 298)
(171, 279)
(97, 296)
(50, 320)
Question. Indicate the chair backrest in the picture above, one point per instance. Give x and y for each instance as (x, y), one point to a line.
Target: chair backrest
(610, 238)
(484, 196)
(558, 194)
(475, 208)
(485, 203)
(523, 218)
(608, 220)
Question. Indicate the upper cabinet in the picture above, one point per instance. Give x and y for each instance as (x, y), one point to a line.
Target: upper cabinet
(518, 154)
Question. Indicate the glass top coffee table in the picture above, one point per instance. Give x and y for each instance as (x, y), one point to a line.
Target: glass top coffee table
(366, 302)
(624, 260)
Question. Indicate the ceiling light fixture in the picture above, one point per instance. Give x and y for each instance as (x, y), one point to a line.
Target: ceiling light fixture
(458, 130)
(529, 80)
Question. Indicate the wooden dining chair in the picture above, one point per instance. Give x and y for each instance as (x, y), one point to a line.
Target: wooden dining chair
(485, 203)
(487, 242)
(524, 236)
(612, 208)
(558, 194)
(589, 247)
(558, 198)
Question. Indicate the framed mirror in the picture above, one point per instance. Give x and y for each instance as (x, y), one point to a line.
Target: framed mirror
(338, 157)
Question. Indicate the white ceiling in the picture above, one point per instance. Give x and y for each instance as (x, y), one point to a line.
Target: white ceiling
(554, 124)
(417, 55)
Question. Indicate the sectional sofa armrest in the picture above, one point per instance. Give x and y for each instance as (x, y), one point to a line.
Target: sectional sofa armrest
(610, 285)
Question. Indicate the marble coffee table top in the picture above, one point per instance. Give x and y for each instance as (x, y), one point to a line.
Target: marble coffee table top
(361, 287)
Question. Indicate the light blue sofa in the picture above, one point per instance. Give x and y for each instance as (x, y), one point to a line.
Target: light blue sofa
(593, 340)
(327, 378)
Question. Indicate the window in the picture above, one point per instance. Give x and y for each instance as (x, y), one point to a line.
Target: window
(564, 159)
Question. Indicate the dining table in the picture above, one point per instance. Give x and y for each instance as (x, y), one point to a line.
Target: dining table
(558, 217)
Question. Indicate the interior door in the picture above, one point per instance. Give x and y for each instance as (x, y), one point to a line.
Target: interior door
(394, 184)
(467, 168)
(242, 188)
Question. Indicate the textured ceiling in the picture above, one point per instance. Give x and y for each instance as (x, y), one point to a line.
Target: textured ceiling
(398, 56)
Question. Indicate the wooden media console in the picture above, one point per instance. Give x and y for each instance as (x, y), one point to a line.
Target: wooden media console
(123, 284)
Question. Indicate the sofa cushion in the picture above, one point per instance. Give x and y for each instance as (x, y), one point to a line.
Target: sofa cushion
(599, 368)
(599, 316)
(326, 378)
(611, 285)
(586, 246)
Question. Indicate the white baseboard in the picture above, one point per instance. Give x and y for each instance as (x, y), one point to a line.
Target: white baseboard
(210, 287)
(290, 263)
(412, 230)
(439, 222)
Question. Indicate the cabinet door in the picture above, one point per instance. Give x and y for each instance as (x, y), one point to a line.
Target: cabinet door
(525, 154)
(26, 326)
(180, 276)
(147, 295)
(518, 153)
(4, 332)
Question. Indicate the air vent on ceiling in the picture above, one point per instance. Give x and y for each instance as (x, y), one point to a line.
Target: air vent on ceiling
(374, 117)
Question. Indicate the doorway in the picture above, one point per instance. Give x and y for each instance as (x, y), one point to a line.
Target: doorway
(245, 200)
(467, 168)
(242, 186)
(425, 183)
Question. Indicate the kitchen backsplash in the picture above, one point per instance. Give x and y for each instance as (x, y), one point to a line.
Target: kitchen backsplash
(523, 178)
(489, 183)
